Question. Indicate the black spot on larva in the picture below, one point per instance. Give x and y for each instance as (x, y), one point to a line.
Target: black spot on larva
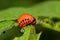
(28, 19)
(25, 19)
(24, 23)
(21, 22)
(4, 32)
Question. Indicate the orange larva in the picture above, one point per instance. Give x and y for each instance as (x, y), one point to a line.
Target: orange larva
(26, 19)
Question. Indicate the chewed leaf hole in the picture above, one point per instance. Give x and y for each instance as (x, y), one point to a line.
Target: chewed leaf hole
(4, 32)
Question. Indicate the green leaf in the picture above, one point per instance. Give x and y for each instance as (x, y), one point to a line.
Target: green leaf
(50, 35)
(8, 31)
(5, 25)
(29, 34)
(50, 23)
(13, 13)
(48, 8)
(54, 27)
(53, 0)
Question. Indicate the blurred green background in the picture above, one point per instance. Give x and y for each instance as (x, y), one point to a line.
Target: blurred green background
(10, 10)
(4, 4)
